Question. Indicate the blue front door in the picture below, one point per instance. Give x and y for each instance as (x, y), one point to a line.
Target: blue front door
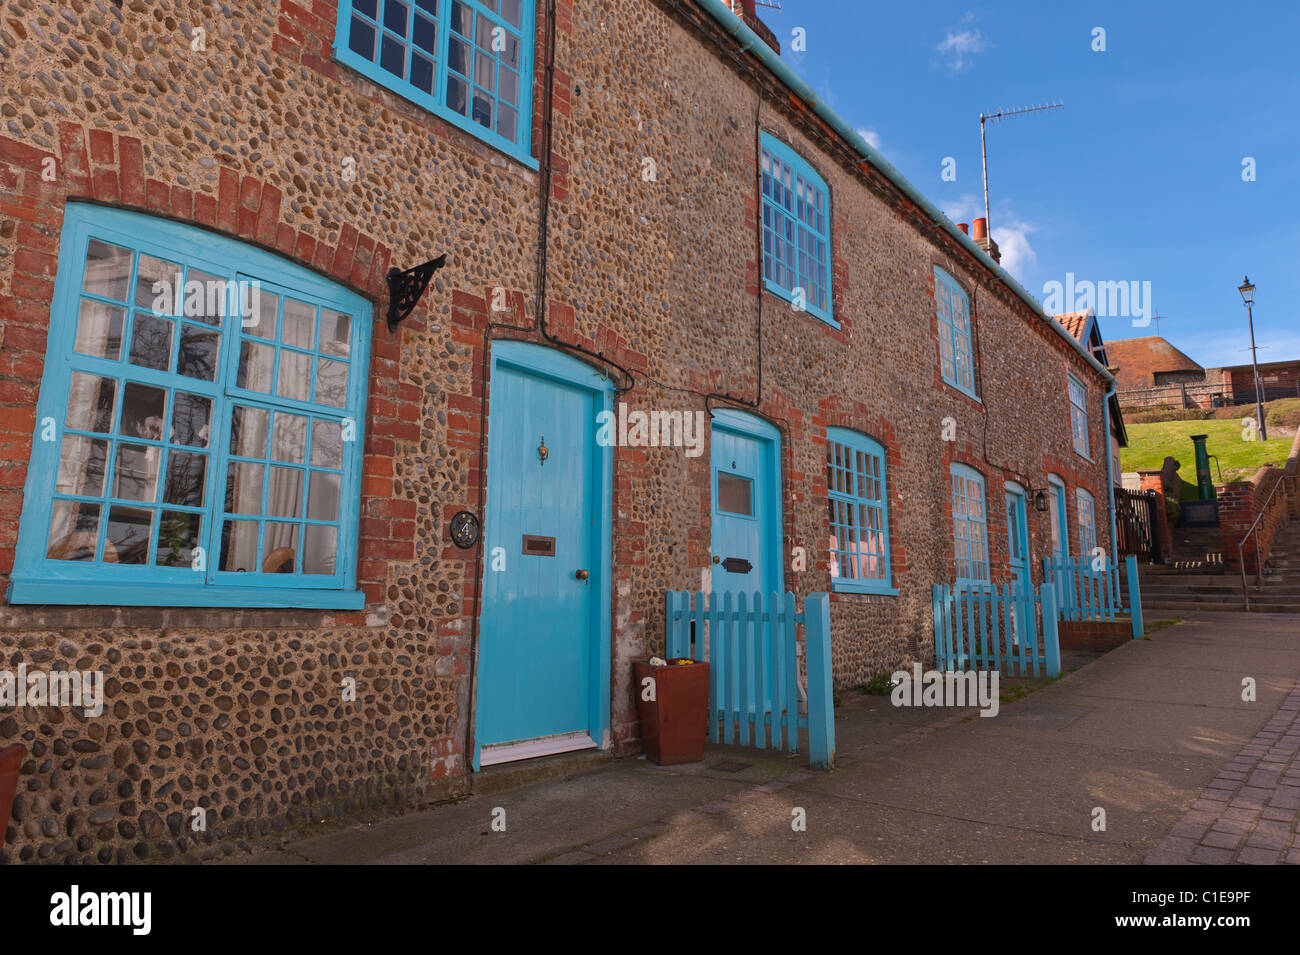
(746, 521)
(539, 667)
(1018, 551)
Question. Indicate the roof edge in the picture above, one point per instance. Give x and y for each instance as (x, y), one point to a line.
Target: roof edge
(753, 43)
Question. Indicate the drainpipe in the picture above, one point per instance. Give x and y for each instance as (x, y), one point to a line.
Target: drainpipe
(1110, 473)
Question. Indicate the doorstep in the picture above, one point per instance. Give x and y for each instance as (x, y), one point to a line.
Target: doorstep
(504, 777)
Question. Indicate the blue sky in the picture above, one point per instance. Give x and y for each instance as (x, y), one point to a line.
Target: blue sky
(1138, 178)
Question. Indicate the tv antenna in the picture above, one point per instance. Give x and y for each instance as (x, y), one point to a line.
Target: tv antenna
(998, 116)
(1156, 316)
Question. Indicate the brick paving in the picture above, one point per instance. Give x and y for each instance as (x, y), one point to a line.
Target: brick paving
(1250, 812)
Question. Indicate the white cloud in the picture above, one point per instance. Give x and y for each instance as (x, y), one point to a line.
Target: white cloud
(871, 136)
(964, 209)
(959, 49)
(1013, 242)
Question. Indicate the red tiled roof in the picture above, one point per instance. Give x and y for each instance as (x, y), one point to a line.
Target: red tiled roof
(1075, 323)
(1138, 360)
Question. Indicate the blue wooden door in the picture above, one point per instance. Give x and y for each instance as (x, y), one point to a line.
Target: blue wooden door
(535, 672)
(1018, 553)
(746, 506)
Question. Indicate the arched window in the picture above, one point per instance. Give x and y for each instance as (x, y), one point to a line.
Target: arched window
(198, 426)
(1087, 517)
(859, 512)
(956, 357)
(796, 230)
(969, 525)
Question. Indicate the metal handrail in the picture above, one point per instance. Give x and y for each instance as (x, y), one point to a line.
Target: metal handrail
(1241, 559)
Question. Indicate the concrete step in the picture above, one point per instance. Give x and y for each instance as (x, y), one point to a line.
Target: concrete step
(1191, 607)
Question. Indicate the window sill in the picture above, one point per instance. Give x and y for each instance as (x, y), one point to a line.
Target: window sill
(26, 590)
(848, 587)
(1086, 457)
(962, 391)
(786, 295)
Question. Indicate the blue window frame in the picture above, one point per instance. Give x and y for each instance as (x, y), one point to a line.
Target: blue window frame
(970, 525)
(796, 230)
(859, 513)
(956, 357)
(1079, 416)
(468, 61)
(1087, 517)
(198, 427)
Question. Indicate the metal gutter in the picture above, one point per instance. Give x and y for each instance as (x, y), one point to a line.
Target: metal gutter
(1110, 473)
(750, 41)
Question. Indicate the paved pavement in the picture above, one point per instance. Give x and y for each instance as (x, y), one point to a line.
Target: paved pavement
(1152, 739)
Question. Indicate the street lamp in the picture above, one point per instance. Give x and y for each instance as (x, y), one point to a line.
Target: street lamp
(1248, 296)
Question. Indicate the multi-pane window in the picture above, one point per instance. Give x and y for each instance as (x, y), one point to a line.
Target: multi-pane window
(859, 512)
(970, 525)
(198, 424)
(1087, 516)
(956, 357)
(796, 230)
(1079, 416)
(469, 61)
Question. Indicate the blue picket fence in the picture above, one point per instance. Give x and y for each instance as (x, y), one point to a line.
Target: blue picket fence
(988, 627)
(1085, 592)
(750, 643)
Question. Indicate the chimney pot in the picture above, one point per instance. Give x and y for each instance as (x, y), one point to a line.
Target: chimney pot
(980, 228)
(965, 227)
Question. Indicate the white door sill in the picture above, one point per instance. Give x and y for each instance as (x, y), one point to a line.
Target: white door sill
(532, 748)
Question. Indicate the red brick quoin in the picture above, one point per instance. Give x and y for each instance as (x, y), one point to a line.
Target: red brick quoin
(100, 166)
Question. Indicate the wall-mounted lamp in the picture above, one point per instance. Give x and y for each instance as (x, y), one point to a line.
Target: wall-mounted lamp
(1040, 502)
(405, 289)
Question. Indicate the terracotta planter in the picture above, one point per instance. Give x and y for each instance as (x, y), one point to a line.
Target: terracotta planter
(11, 759)
(674, 723)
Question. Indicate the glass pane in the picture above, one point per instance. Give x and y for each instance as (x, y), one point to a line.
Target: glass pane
(289, 443)
(457, 95)
(482, 108)
(256, 364)
(143, 411)
(191, 417)
(369, 7)
(186, 475)
(509, 86)
(323, 496)
(90, 403)
(129, 530)
(335, 333)
(425, 34)
(280, 549)
(392, 56)
(484, 37)
(422, 72)
(248, 431)
(206, 297)
(507, 122)
(462, 19)
(735, 494)
(331, 383)
(74, 531)
(108, 270)
(151, 342)
(198, 355)
(429, 5)
(262, 310)
(244, 488)
(512, 11)
(320, 547)
(284, 493)
(458, 56)
(485, 70)
(239, 546)
(295, 375)
(158, 285)
(327, 444)
(395, 16)
(99, 330)
(361, 39)
(299, 325)
(135, 475)
(178, 535)
(81, 466)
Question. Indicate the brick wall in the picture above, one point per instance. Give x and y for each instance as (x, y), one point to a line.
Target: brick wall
(656, 281)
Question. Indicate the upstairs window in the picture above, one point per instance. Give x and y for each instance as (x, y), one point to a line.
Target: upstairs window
(1087, 516)
(969, 525)
(198, 426)
(468, 61)
(1079, 416)
(796, 230)
(956, 357)
(859, 513)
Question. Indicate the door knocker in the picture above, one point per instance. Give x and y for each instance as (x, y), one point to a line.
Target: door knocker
(542, 451)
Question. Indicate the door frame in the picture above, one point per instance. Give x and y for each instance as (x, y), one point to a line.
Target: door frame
(545, 362)
(1056, 498)
(752, 426)
(1017, 501)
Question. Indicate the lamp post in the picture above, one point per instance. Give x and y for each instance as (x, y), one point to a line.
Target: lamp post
(1248, 296)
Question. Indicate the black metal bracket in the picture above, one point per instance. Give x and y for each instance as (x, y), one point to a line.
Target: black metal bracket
(405, 289)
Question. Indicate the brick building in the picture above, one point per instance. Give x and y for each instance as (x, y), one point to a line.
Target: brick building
(232, 489)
